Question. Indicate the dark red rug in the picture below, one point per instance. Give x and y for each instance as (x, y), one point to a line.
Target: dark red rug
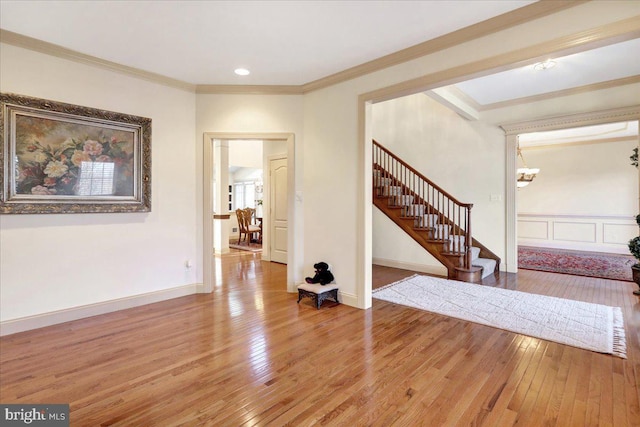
(592, 264)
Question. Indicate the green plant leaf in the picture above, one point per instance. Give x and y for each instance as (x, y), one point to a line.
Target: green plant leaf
(634, 247)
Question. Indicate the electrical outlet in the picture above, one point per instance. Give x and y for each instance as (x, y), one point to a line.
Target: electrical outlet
(234, 229)
(188, 264)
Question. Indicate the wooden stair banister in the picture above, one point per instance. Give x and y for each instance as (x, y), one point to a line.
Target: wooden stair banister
(442, 223)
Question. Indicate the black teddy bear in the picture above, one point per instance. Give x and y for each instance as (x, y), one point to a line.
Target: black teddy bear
(322, 276)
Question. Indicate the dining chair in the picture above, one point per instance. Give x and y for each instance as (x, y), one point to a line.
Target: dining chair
(241, 224)
(249, 214)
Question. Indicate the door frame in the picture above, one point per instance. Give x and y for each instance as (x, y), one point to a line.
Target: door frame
(512, 130)
(208, 266)
(603, 35)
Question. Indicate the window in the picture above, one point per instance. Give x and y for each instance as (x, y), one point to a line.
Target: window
(244, 195)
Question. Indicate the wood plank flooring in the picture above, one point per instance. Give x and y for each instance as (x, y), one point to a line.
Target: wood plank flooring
(249, 355)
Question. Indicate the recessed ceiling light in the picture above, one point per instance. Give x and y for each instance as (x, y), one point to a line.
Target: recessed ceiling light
(545, 65)
(242, 71)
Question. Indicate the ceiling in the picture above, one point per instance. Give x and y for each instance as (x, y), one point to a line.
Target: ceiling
(606, 63)
(280, 42)
(611, 65)
(293, 42)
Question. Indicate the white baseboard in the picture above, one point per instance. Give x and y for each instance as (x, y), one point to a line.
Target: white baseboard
(348, 299)
(421, 268)
(576, 246)
(60, 316)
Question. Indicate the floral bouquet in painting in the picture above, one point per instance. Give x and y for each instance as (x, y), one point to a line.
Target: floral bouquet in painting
(72, 160)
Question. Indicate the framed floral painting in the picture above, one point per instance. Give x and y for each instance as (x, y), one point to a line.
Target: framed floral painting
(63, 158)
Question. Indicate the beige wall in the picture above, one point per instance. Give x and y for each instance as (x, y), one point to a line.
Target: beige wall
(58, 262)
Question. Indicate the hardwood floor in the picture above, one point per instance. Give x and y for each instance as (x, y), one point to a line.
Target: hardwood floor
(249, 355)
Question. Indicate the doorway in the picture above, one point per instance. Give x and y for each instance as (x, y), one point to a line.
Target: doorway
(245, 196)
(585, 195)
(245, 184)
(617, 228)
(210, 277)
(507, 196)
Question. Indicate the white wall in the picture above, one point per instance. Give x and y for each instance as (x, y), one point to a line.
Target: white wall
(585, 179)
(60, 262)
(246, 154)
(463, 157)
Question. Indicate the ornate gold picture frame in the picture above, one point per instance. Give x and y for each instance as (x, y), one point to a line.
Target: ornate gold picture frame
(64, 158)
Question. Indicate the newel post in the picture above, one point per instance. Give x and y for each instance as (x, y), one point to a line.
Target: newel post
(467, 239)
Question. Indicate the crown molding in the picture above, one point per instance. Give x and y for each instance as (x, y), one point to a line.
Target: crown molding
(498, 23)
(551, 95)
(519, 16)
(492, 25)
(573, 120)
(47, 48)
(579, 143)
(250, 89)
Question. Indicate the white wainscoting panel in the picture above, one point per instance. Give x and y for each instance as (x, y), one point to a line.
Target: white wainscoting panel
(581, 232)
(532, 229)
(619, 233)
(584, 232)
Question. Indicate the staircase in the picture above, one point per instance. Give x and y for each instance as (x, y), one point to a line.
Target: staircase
(431, 216)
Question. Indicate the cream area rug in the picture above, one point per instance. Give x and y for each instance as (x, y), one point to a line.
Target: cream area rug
(579, 324)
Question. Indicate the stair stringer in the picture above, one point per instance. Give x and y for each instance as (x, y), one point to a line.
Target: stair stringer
(455, 229)
(436, 247)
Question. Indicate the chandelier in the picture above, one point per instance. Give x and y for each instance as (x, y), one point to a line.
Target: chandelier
(525, 175)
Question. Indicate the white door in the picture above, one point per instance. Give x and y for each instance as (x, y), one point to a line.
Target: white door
(278, 205)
